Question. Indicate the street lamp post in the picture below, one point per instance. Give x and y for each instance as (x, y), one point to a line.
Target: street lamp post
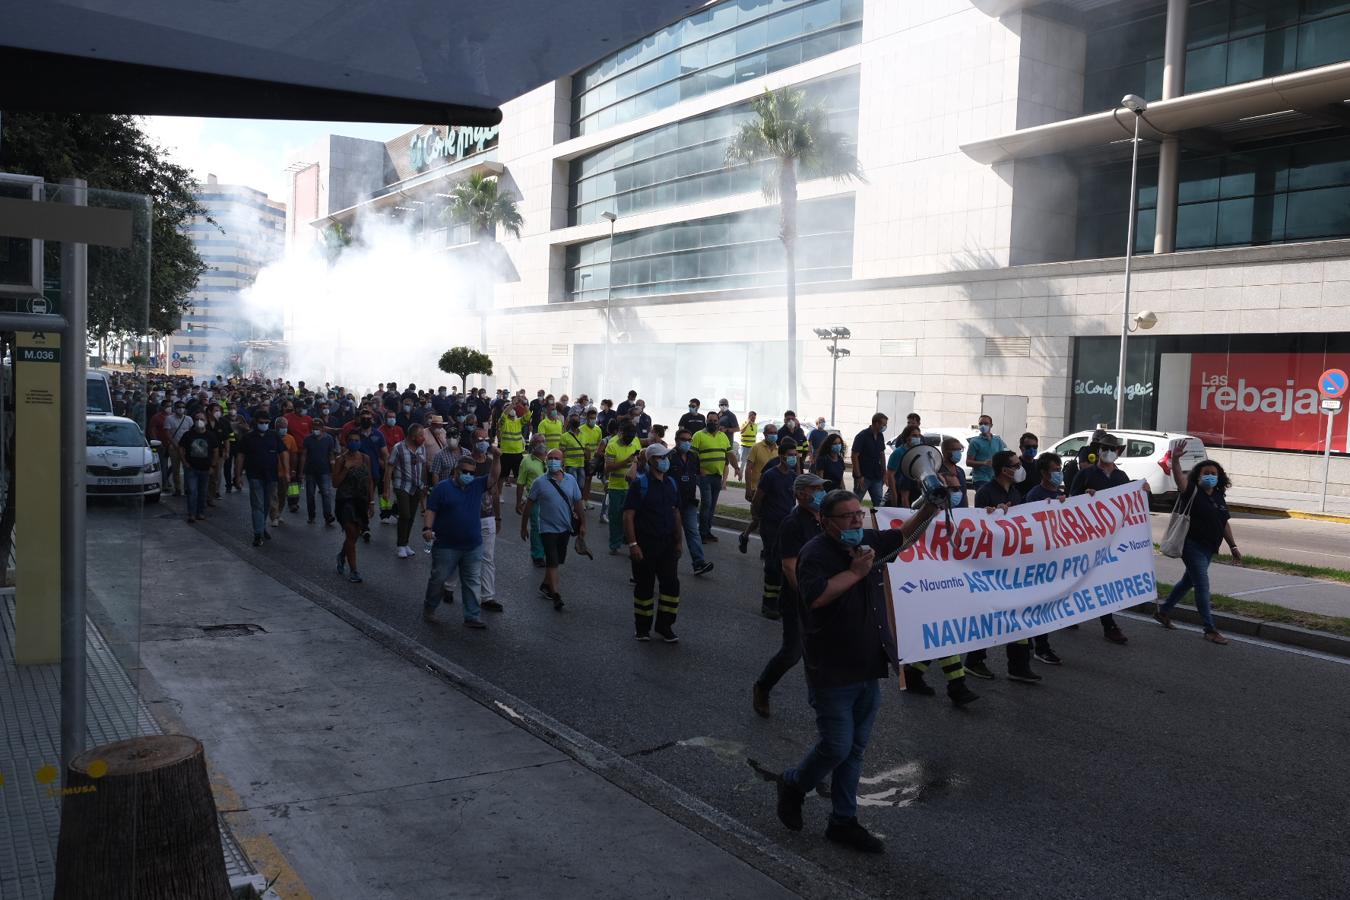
(834, 335)
(609, 294)
(1135, 104)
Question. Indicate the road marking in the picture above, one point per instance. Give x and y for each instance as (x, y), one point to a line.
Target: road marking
(1278, 587)
(1243, 639)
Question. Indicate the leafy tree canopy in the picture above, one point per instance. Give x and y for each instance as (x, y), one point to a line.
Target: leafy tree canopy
(465, 361)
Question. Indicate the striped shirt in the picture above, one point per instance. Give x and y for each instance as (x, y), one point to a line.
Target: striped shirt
(409, 468)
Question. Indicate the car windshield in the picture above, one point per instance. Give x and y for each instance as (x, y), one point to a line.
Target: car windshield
(114, 434)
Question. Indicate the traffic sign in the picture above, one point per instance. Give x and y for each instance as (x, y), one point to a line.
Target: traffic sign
(1332, 384)
(38, 305)
(175, 363)
(177, 355)
(1331, 406)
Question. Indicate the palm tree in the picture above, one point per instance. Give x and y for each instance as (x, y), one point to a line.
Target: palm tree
(793, 139)
(479, 203)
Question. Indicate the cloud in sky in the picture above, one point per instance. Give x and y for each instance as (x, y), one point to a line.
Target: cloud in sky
(252, 152)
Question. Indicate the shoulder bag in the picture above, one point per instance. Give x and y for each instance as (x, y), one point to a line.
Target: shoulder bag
(1174, 539)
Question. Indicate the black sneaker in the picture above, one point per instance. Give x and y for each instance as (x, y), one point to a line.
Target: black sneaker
(1115, 635)
(355, 577)
(267, 535)
(257, 540)
(710, 539)
(853, 835)
(557, 602)
(669, 636)
(703, 568)
(545, 592)
(1024, 675)
(914, 683)
(959, 694)
(365, 536)
(790, 802)
(744, 543)
(476, 624)
(341, 563)
(643, 636)
(493, 605)
(769, 612)
(311, 520)
(1049, 657)
(979, 670)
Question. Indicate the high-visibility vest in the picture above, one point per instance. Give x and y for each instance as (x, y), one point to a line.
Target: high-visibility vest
(552, 430)
(748, 432)
(590, 437)
(574, 452)
(509, 431)
(616, 451)
(712, 451)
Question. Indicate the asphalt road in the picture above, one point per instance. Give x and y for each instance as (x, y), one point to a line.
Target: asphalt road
(1167, 768)
(1305, 541)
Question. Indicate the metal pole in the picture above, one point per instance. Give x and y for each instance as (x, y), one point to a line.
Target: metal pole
(609, 294)
(74, 295)
(834, 378)
(1129, 258)
(1326, 461)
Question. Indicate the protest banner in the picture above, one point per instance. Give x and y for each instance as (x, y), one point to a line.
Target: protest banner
(986, 579)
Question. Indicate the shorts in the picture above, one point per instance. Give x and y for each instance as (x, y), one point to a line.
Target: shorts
(555, 547)
(511, 464)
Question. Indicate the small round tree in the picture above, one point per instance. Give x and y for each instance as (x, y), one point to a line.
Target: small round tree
(465, 361)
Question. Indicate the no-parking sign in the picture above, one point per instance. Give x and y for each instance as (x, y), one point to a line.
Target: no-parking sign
(1332, 384)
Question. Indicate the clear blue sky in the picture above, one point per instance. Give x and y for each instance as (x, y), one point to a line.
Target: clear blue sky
(253, 152)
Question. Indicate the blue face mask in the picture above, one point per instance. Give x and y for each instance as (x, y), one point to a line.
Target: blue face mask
(837, 449)
(466, 478)
(663, 465)
(817, 498)
(954, 456)
(790, 462)
(771, 438)
(684, 446)
(555, 465)
(957, 497)
(1209, 481)
(263, 426)
(353, 445)
(851, 536)
(1057, 478)
(483, 446)
(984, 429)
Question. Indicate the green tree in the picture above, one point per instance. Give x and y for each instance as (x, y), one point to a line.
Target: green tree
(480, 204)
(112, 152)
(465, 361)
(791, 139)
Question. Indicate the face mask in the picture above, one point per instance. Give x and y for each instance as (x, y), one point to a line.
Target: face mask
(817, 498)
(1020, 475)
(353, 445)
(693, 409)
(323, 411)
(483, 446)
(771, 438)
(837, 449)
(723, 407)
(1030, 452)
(407, 407)
(684, 446)
(454, 442)
(1057, 478)
(629, 434)
(263, 426)
(851, 536)
(1209, 481)
(881, 429)
(466, 478)
(663, 465)
(590, 421)
(553, 415)
(712, 426)
(199, 425)
(389, 420)
(789, 423)
(512, 414)
(984, 429)
(954, 456)
(915, 441)
(555, 465)
(790, 462)
(1109, 456)
(957, 496)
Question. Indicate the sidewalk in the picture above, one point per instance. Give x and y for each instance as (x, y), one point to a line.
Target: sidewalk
(376, 777)
(1290, 504)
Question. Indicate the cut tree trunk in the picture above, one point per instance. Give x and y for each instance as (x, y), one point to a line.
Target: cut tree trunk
(146, 828)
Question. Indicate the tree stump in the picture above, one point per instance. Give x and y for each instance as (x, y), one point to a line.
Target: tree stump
(138, 821)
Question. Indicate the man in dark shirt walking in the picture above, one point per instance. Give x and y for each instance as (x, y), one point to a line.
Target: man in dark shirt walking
(848, 645)
(651, 526)
(263, 453)
(869, 461)
(772, 503)
(1099, 477)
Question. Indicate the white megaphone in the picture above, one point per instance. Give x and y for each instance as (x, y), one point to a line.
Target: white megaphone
(921, 464)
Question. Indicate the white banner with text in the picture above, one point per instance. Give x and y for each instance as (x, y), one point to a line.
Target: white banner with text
(988, 579)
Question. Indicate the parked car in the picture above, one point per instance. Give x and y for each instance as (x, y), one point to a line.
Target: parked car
(1147, 456)
(98, 394)
(119, 461)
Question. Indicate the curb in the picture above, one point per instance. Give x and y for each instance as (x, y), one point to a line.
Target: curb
(1275, 632)
(1273, 513)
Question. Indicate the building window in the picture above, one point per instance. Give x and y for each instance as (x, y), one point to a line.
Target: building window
(1228, 42)
(719, 46)
(685, 162)
(1296, 189)
(740, 250)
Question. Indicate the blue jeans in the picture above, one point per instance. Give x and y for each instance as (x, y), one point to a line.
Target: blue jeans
(197, 485)
(693, 541)
(870, 487)
(324, 483)
(1197, 560)
(261, 493)
(536, 542)
(445, 562)
(616, 500)
(844, 719)
(710, 486)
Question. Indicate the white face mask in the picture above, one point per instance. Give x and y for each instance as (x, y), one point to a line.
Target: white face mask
(1109, 456)
(1020, 475)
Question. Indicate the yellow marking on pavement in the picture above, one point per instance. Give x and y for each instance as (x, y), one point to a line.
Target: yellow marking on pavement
(257, 845)
(1271, 513)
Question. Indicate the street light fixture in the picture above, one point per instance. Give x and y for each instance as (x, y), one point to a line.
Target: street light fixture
(609, 294)
(834, 335)
(1135, 104)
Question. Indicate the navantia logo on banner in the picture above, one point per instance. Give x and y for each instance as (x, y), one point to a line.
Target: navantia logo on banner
(1261, 400)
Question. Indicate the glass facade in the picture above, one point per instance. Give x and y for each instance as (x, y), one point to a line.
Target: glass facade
(1238, 391)
(685, 162)
(1228, 42)
(1295, 190)
(739, 250)
(726, 44)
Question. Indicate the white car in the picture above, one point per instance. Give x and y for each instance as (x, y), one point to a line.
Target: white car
(119, 461)
(1147, 456)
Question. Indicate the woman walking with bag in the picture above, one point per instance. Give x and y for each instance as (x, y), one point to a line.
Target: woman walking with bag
(355, 491)
(1203, 512)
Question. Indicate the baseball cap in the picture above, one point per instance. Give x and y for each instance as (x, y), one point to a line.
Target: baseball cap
(802, 482)
(655, 451)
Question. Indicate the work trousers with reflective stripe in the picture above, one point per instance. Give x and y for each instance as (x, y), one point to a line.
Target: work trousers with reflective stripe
(658, 567)
(1019, 653)
(951, 667)
(773, 570)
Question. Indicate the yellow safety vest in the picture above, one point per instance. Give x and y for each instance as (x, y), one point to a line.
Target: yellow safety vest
(509, 431)
(574, 452)
(712, 450)
(748, 432)
(615, 451)
(590, 437)
(552, 431)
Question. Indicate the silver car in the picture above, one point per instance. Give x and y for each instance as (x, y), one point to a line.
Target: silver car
(119, 461)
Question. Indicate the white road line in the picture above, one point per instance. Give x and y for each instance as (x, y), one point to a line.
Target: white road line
(1242, 639)
(1278, 587)
(1309, 552)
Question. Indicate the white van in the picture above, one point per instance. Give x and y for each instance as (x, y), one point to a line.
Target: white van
(98, 393)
